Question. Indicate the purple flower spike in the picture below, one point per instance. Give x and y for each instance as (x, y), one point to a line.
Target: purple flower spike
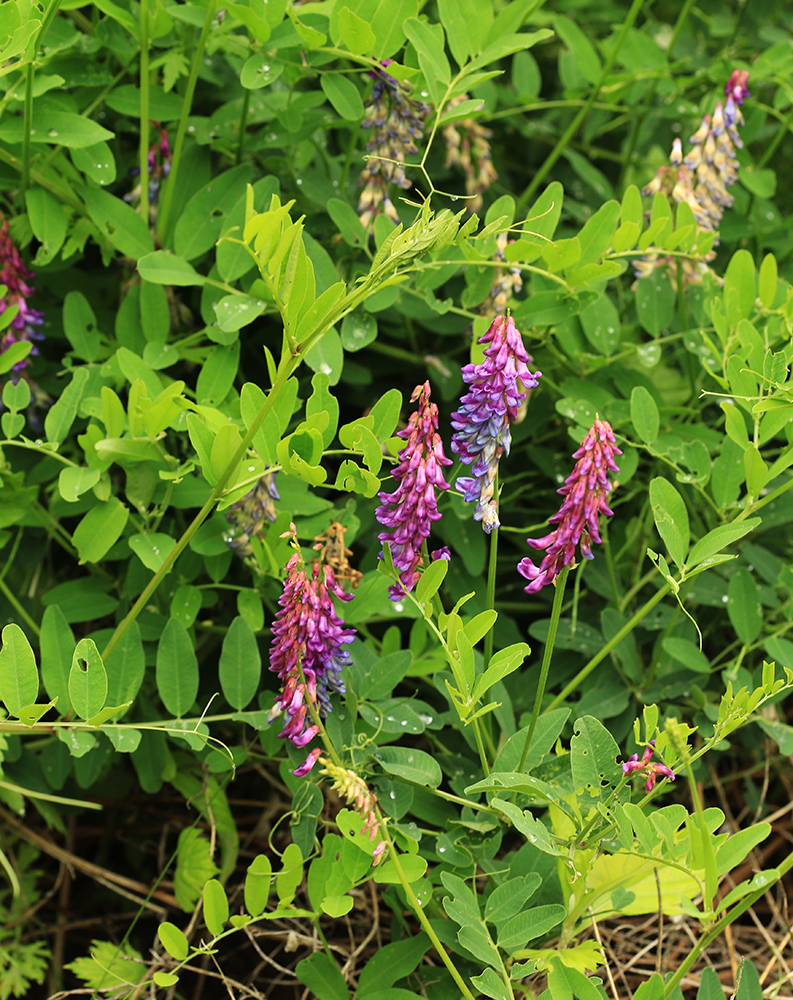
(584, 493)
(410, 510)
(15, 276)
(652, 770)
(307, 632)
(481, 425)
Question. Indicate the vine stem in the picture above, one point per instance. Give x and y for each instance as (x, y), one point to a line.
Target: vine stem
(280, 380)
(422, 917)
(170, 187)
(628, 627)
(14, 602)
(143, 152)
(556, 614)
(572, 128)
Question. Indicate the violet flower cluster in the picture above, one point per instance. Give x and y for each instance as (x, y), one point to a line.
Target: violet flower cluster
(585, 493)
(25, 324)
(409, 511)
(159, 167)
(357, 794)
(247, 516)
(308, 634)
(649, 768)
(702, 177)
(481, 425)
(397, 121)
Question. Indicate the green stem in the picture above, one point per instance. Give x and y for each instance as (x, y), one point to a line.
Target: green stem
(170, 187)
(246, 100)
(28, 126)
(491, 591)
(556, 613)
(14, 602)
(572, 128)
(283, 375)
(143, 151)
(626, 629)
(421, 916)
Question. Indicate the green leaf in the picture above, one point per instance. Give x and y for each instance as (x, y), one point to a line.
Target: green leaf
(97, 162)
(431, 579)
(164, 268)
(126, 667)
(257, 884)
(719, 538)
(73, 482)
(61, 415)
(109, 967)
(204, 216)
(671, 518)
(57, 648)
(355, 32)
(759, 182)
(343, 95)
(100, 529)
(595, 237)
(429, 47)
(121, 224)
(593, 758)
(506, 900)
(260, 70)
(217, 374)
(322, 978)
(48, 222)
(739, 279)
(216, 907)
(13, 354)
(414, 868)
(58, 128)
(756, 470)
(87, 680)
(346, 220)
(236, 311)
(743, 605)
(387, 19)
(152, 550)
(491, 985)
(79, 325)
(390, 963)
(414, 766)
(584, 52)
(240, 664)
(165, 979)
(644, 414)
(467, 23)
(768, 280)
(173, 940)
(194, 866)
(601, 323)
(19, 678)
(291, 874)
(655, 302)
(687, 653)
(529, 925)
(177, 669)
(503, 663)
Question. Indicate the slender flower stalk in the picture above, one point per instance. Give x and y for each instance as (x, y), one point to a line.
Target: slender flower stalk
(585, 493)
(396, 120)
(409, 511)
(307, 650)
(481, 425)
(24, 325)
(652, 770)
(357, 794)
(247, 516)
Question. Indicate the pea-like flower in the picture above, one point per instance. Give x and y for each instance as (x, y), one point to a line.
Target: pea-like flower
(247, 516)
(481, 425)
(648, 767)
(24, 326)
(409, 511)
(357, 794)
(308, 633)
(396, 120)
(585, 492)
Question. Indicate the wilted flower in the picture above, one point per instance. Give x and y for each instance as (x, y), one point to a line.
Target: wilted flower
(584, 493)
(15, 276)
(702, 177)
(308, 633)
(481, 425)
(356, 793)
(397, 121)
(467, 147)
(248, 514)
(652, 770)
(410, 510)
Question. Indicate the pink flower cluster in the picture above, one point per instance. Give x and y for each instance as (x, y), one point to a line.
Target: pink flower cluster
(15, 276)
(308, 633)
(585, 493)
(648, 767)
(410, 510)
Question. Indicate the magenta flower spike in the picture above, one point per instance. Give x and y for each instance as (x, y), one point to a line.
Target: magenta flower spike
(307, 632)
(15, 276)
(652, 770)
(585, 493)
(409, 511)
(481, 425)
